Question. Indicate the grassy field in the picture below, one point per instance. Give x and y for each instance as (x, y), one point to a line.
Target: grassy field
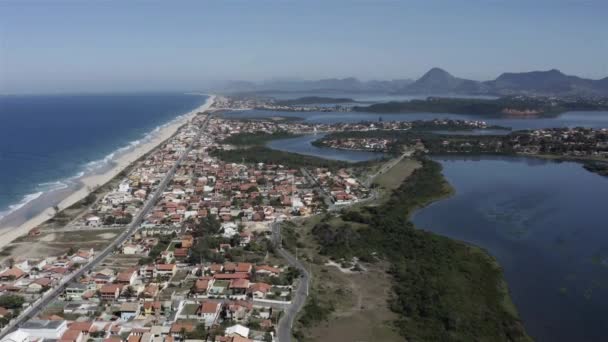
(392, 179)
(438, 288)
(57, 243)
(358, 300)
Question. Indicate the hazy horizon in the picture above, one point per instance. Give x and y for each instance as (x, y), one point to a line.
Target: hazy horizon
(110, 46)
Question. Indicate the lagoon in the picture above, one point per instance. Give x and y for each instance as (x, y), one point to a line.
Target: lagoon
(545, 223)
(569, 119)
(303, 145)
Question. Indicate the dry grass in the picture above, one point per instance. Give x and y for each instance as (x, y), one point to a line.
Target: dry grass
(360, 299)
(395, 176)
(57, 243)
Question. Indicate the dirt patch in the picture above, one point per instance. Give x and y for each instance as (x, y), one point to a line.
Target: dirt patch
(107, 235)
(48, 238)
(57, 243)
(359, 299)
(362, 312)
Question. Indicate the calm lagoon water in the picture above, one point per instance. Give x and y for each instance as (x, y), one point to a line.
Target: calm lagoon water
(569, 119)
(545, 222)
(302, 145)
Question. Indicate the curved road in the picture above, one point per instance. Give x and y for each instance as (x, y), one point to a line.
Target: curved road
(299, 298)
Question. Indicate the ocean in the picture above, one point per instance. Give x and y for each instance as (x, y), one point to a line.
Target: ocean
(48, 140)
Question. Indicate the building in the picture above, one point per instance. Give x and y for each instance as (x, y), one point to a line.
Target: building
(208, 312)
(129, 310)
(44, 329)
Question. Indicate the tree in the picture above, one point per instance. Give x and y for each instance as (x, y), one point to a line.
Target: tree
(129, 292)
(11, 301)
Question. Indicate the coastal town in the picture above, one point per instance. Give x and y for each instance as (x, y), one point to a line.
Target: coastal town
(195, 257)
(193, 250)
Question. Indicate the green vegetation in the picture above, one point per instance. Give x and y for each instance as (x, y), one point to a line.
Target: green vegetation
(314, 311)
(163, 243)
(598, 167)
(499, 106)
(314, 100)
(260, 154)
(257, 138)
(11, 301)
(443, 289)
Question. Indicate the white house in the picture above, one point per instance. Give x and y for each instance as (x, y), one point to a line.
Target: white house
(237, 329)
(94, 221)
(44, 329)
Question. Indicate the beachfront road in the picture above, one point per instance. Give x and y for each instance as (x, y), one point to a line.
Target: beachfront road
(37, 306)
(298, 300)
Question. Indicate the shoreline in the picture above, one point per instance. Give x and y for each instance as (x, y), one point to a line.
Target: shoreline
(89, 182)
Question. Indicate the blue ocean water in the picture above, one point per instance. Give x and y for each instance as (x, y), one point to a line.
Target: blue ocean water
(47, 139)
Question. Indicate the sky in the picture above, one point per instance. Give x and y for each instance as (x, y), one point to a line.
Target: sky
(88, 46)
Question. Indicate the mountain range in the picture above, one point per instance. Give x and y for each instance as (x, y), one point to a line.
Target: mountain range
(437, 82)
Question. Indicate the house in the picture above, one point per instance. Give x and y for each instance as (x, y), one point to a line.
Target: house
(152, 308)
(151, 291)
(12, 273)
(267, 270)
(187, 241)
(237, 330)
(239, 286)
(129, 310)
(259, 290)
(93, 221)
(179, 328)
(243, 267)
(238, 310)
(181, 253)
(209, 311)
(165, 271)
(84, 327)
(126, 277)
(72, 336)
(39, 284)
(75, 291)
(201, 286)
(110, 291)
(103, 277)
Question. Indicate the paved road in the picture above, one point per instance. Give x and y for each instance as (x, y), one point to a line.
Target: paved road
(299, 298)
(35, 308)
(326, 196)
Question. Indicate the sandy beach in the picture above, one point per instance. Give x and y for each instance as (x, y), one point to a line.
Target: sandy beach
(90, 182)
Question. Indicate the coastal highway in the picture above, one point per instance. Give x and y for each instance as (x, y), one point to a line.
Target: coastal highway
(37, 306)
(299, 298)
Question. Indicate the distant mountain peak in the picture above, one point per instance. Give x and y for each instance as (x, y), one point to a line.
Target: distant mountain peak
(436, 72)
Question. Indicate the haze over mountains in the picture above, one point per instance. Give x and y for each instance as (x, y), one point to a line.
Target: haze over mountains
(438, 81)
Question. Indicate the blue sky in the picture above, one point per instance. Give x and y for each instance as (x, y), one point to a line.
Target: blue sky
(65, 46)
